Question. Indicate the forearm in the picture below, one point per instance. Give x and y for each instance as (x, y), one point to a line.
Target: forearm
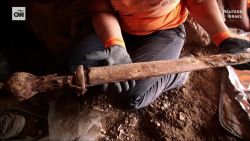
(106, 25)
(207, 14)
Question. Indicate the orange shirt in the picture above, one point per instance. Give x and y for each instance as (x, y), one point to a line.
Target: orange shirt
(248, 3)
(142, 17)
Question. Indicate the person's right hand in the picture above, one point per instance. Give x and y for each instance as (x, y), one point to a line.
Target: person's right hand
(236, 45)
(113, 55)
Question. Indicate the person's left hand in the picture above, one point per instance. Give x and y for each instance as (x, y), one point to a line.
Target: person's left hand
(113, 55)
(236, 45)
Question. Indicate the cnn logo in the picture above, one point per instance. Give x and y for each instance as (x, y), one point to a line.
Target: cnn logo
(18, 13)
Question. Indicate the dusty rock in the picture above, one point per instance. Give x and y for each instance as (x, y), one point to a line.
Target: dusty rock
(165, 105)
(132, 122)
(122, 135)
(182, 116)
(98, 108)
(157, 123)
(103, 131)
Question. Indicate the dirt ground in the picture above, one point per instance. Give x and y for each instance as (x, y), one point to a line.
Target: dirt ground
(187, 113)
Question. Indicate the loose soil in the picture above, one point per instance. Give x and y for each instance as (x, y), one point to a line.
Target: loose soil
(187, 113)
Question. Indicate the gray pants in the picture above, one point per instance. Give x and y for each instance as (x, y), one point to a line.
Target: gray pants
(160, 45)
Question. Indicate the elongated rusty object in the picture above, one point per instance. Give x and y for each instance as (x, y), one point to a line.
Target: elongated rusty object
(24, 85)
(102, 75)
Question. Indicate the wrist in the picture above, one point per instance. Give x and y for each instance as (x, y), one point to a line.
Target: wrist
(114, 41)
(219, 37)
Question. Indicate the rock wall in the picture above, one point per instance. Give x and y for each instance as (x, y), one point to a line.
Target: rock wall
(56, 22)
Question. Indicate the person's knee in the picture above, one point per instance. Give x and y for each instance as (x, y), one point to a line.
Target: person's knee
(135, 102)
(181, 79)
(138, 99)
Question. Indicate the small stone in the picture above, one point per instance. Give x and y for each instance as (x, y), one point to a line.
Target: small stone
(98, 108)
(183, 89)
(122, 131)
(151, 105)
(170, 115)
(131, 135)
(107, 138)
(165, 106)
(133, 122)
(119, 127)
(127, 138)
(157, 123)
(182, 116)
(122, 135)
(126, 121)
(103, 131)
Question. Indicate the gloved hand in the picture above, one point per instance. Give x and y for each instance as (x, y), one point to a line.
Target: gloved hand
(113, 55)
(235, 45)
